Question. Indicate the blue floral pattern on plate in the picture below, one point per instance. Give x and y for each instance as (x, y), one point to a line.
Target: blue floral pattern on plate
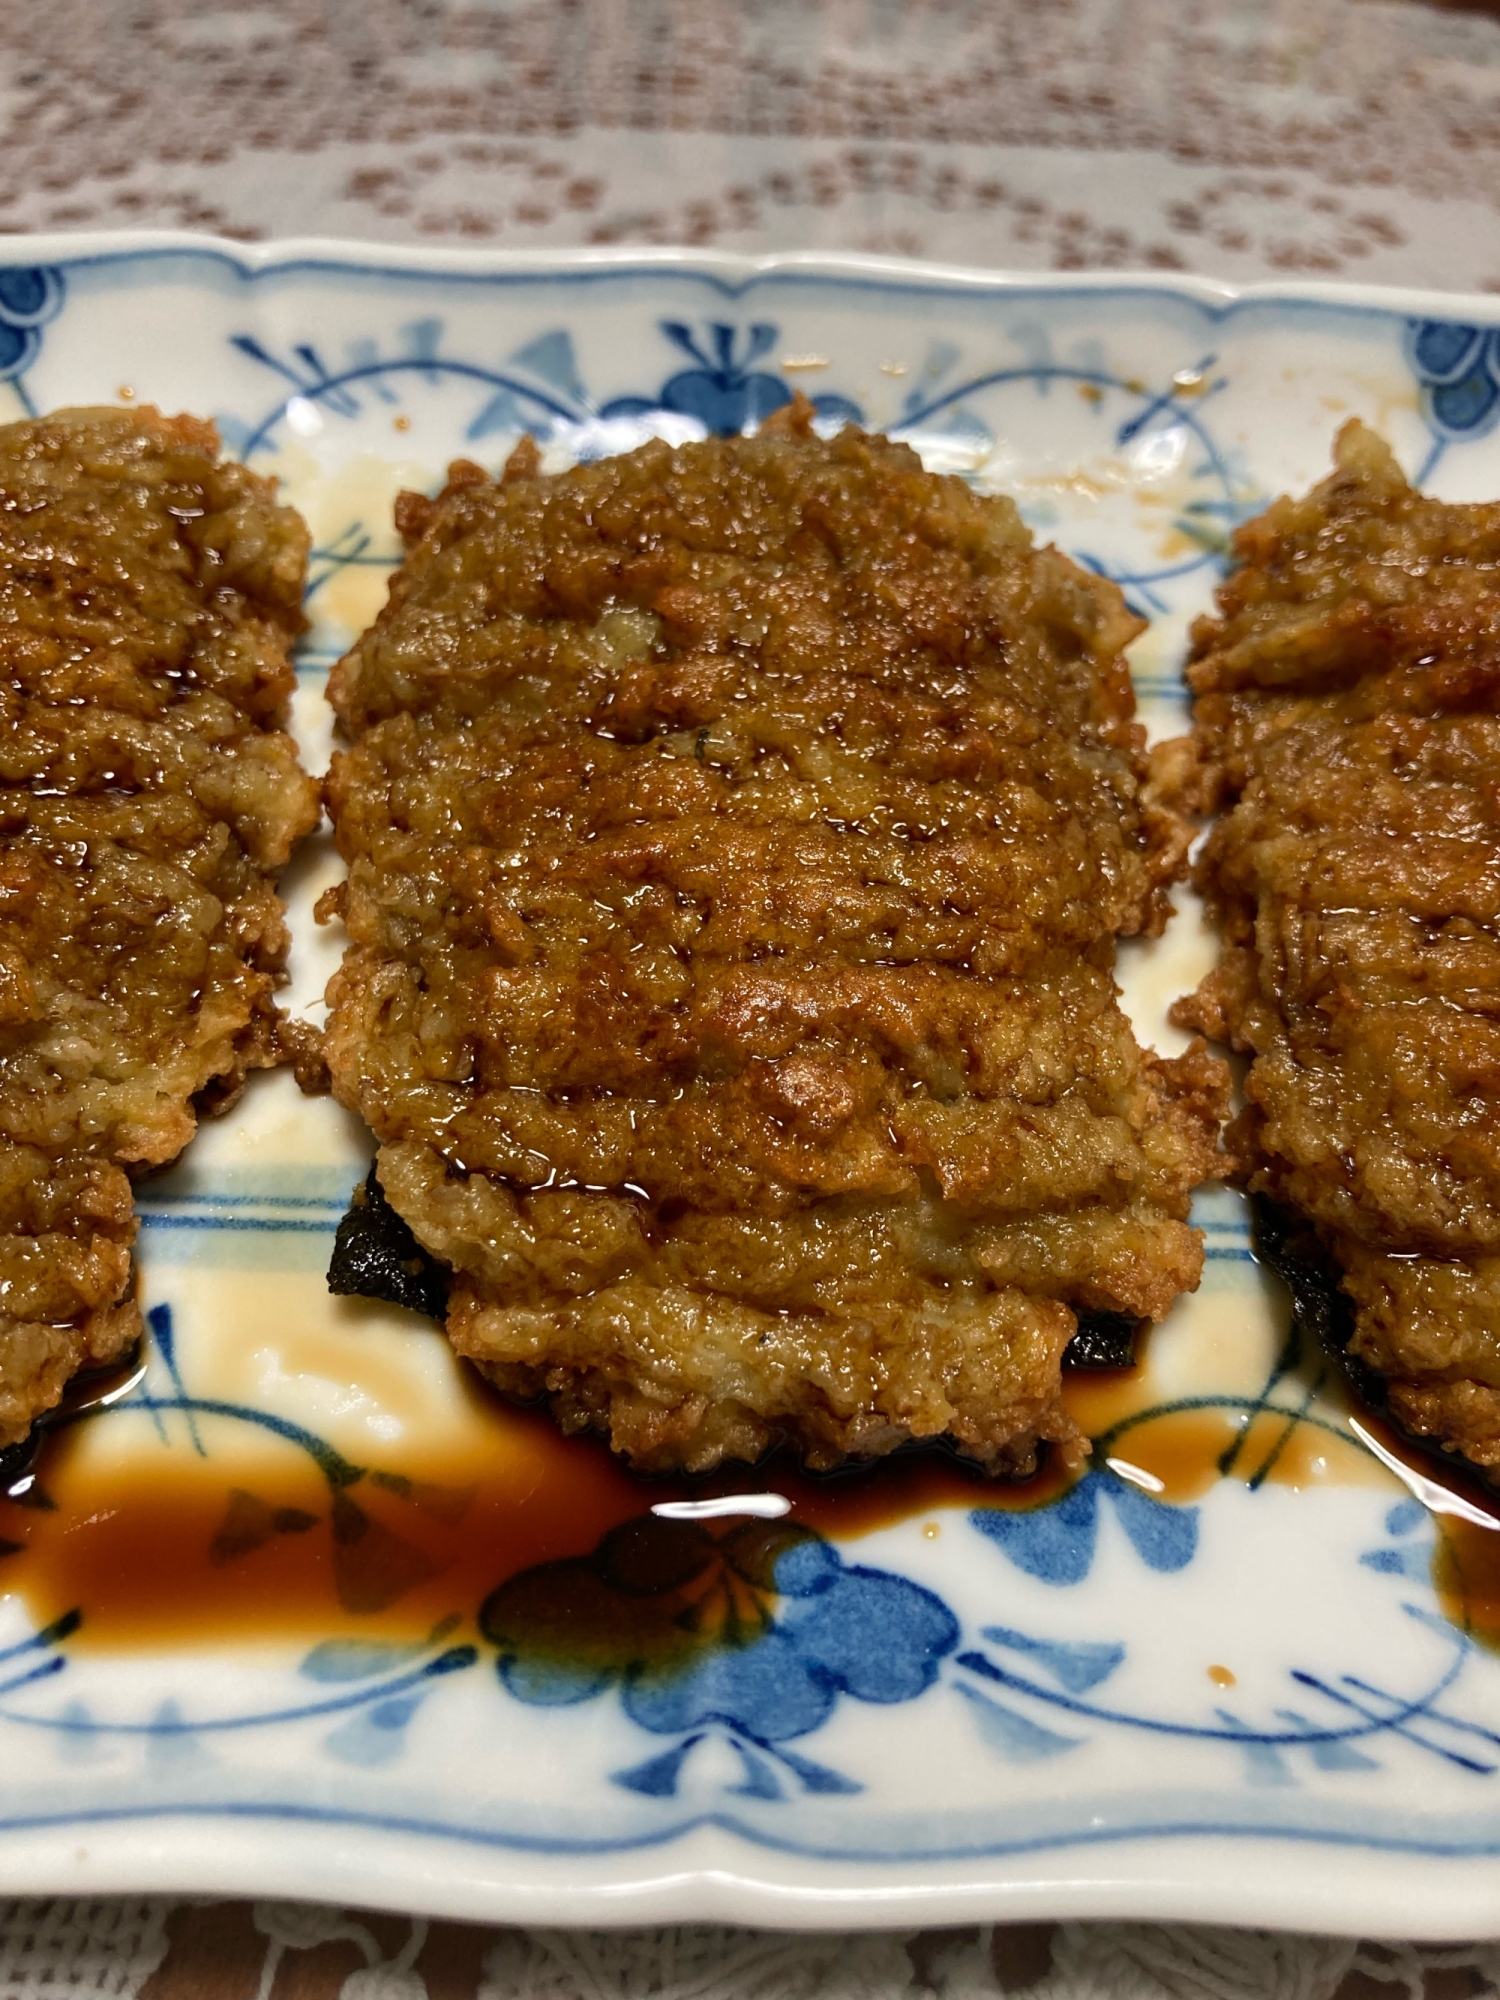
(1458, 368)
(752, 1637)
(30, 296)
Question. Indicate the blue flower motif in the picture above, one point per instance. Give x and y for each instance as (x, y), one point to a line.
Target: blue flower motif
(1412, 1557)
(754, 1637)
(723, 391)
(30, 295)
(1458, 367)
(1056, 1543)
(841, 1630)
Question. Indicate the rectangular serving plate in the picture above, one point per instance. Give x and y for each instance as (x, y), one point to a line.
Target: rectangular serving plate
(1240, 1704)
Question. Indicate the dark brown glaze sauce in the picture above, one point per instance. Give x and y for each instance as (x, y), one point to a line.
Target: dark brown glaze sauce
(191, 1549)
(183, 1549)
(1466, 1557)
(1185, 1452)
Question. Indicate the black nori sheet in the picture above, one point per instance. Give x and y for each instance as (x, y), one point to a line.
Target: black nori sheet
(1103, 1340)
(1291, 1247)
(1323, 1310)
(375, 1256)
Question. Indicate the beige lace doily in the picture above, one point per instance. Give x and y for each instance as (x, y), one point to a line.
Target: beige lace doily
(134, 1949)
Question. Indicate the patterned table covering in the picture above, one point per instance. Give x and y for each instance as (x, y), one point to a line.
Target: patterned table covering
(147, 1949)
(1355, 139)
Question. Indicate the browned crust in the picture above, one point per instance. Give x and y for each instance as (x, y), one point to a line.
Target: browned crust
(149, 596)
(738, 838)
(1347, 729)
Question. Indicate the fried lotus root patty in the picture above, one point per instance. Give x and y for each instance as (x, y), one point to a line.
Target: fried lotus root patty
(1347, 724)
(148, 596)
(738, 836)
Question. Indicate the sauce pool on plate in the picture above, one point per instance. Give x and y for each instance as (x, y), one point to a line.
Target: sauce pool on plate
(169, 1548)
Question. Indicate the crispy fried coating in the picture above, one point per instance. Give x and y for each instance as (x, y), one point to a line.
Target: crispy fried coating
(738, 836)
(1348, 724)
(148, 595)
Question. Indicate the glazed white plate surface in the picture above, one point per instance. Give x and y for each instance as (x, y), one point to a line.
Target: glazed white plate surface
(1245, 1706)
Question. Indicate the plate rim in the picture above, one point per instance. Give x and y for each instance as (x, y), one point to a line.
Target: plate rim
(735, 271)
(731, 1891)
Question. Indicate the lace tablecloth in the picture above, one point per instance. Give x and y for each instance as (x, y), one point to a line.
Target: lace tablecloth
(1248, 138)
(143, 1949)
(1356, 139)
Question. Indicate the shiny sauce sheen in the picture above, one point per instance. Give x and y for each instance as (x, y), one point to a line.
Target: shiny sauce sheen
(180, 1549)
(184, 1549)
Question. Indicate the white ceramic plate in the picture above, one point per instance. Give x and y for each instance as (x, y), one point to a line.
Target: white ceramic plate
(1168, 1693)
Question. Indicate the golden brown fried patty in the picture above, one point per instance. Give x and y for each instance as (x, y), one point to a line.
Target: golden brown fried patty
(1348, 719)
(147, 599)
(738, 836)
